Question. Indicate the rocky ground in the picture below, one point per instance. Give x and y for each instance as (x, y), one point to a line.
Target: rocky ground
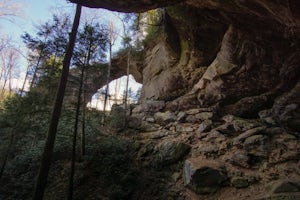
(217, 157)
(185, 155)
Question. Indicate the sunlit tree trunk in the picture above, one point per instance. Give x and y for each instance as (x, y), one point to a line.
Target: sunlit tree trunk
(48, 149)
(25, 80)
(112, 39)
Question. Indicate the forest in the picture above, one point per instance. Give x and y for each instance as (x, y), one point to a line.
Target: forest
(47, 121)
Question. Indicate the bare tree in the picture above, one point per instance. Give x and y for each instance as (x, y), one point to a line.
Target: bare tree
(10, 9)
(9, 67)
(112, 38)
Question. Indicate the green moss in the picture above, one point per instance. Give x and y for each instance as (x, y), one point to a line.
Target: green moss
(185, 52)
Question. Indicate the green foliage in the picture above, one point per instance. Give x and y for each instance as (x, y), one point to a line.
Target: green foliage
(112, 163)
(117, 117)
(154, 27)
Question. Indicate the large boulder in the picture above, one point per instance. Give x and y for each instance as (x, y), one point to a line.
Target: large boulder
(169, 152)
(204, 176)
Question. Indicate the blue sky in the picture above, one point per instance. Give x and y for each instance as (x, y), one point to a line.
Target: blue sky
(36, 12)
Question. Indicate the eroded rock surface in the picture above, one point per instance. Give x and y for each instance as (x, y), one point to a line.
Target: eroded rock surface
(226, 83)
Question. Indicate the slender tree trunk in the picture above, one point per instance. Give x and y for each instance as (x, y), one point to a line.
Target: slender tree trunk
(108, 76)
(48, 149)
(35, 71)
(83, 125)
(127, 80)
(7, 153)
(107, 82)
(84, 101)
(71, 180)
(25, 79)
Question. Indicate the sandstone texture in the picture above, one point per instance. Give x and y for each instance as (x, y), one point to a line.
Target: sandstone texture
(220, 104)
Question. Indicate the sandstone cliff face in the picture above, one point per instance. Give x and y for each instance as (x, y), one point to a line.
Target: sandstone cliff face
(218, 63)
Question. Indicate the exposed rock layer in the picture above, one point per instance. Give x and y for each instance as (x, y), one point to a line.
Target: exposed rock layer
(223, 57)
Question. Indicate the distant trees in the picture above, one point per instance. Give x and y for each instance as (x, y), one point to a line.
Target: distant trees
(9, 67)
(92, 42)
(50, 41)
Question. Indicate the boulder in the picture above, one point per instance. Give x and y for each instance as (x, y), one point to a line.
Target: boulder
(181, 116)
(283, 186)
(203, 176)
(204, 115)
(164, 118)
(193, 111)
(256, 145)
(249, 106)
(205, 126)
(240, 159)
(184, 128)
(148, 127)
(152, 106)
(169, 152)
(247, 134)
(239, 182)
(191, 119)
(241, 124)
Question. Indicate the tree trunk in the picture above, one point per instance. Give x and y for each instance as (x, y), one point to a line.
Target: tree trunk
(48, 149)
(71, 180)
(107, 82)
(127, 79)
(25, 79)
(83, 125)
(7, 153)
(108, 76)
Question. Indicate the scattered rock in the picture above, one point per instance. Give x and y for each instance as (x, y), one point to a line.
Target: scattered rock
(134, 122)
(240, 124)
(205, 126)
(152, 106)
(148, 127)
(240, 159)
(226, 129)
(239, 182)
(248, 133)
(266, 116)
(256, 145)
(214, 137)
(154, 135)
(145, 150)
(203, 176)
(184, 128)
(150, 119)
(191, 119)
(204, 115)
(193, 111)
(249, 106)
(181, 116)
(164, 118)
(283, 186)
(271, 131)
(169, 152)
(137, 109)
